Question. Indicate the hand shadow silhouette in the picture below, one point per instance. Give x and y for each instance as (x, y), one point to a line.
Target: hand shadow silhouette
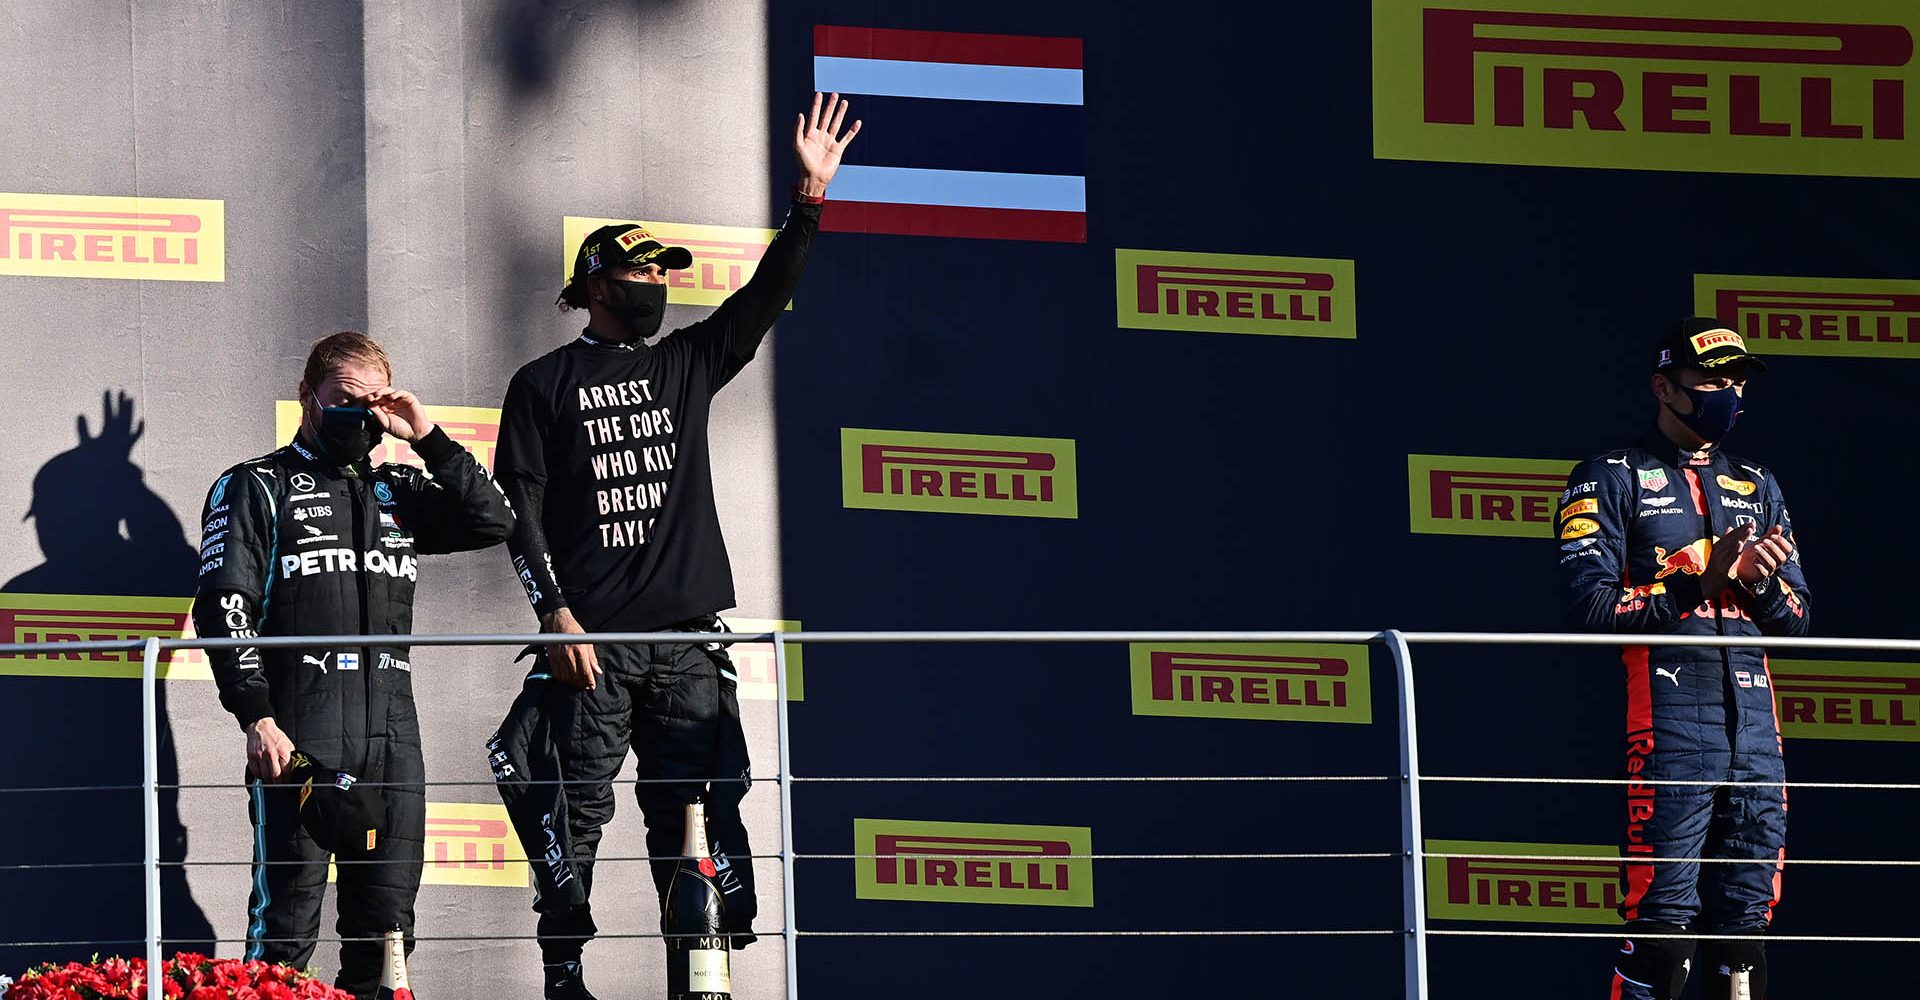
(102, 531)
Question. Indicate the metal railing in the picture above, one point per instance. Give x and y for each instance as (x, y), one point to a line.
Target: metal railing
(1413, 929)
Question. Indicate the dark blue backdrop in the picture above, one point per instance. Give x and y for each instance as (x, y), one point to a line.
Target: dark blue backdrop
(1260, 482)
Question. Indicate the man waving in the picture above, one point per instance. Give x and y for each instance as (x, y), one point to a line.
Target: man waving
(603, 449)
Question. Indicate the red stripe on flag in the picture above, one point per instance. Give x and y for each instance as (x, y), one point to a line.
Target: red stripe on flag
(949, 220)
(946, 47)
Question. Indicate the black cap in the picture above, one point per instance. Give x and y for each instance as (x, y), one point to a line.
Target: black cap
(623, 245)
(340, 820)
(1707, 344)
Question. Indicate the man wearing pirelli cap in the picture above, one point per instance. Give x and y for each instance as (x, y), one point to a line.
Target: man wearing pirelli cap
(1676, 536)
(603, 451)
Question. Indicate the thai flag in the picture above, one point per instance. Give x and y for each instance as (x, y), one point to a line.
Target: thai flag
(983, 135)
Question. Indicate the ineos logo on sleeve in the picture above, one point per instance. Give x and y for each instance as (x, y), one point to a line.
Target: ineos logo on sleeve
(301, 482)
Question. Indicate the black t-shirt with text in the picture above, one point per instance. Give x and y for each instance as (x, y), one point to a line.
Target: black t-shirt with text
(603, 450)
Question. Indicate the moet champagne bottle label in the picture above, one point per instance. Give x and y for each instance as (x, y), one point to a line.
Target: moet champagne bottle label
(694, 920)
(393, 968)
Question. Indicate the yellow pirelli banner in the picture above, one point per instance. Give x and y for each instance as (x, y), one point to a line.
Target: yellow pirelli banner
(1274, 682)
(1817, 317)
(1846, 700)
(997, 863)
(1467, 495)
(475, 427)
(57, 618)
(757, 664)
(724, 257)
(1234, 293)
(469, 844)
(1577, 884)
(93, 236)
(958, 473)
(1763, 86)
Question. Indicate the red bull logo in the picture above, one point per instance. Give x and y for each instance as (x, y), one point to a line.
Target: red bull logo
(1507, 497)
(1559, 884)
(958, 473)
(84, 236)
(1691, 560)
(1233, 293)
(58, 618)
(1817, 317)
(724, 257)
(1292, 682)
(1778, 87)
(1847, 700)
(947, 862)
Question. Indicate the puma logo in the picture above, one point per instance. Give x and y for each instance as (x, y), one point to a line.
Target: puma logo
(1672, 675)
(321, 661)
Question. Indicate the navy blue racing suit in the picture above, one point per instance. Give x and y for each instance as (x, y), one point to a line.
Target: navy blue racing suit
(1636, 528)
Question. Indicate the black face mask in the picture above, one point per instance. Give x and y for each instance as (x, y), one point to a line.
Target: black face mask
(347, 434)
(642, 306)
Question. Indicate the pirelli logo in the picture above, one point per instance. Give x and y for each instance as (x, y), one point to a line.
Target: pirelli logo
(469, 844)
(1229, 293)
(1505, 497)
(939, 862)
(958, 473)
(57, 618)
(1782, 86)
(1847, 700)
(724, 257)
(88, 236)
(1821, 317)
(1275, 682)
(477, 428)
(757, 665)
(1579, 885)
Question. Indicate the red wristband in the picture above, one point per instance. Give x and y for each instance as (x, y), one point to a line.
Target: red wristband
(810, 199)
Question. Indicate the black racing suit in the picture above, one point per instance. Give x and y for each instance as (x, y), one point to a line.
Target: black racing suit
(293, 545)
(1637, 527)
(603, 450)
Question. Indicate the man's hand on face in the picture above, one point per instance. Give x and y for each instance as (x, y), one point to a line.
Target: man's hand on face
(576, 666)
(400, 412)
(268, 750)
(1763, 558)
(1727, 552)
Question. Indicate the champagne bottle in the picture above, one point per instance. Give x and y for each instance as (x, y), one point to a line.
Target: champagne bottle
(694, 918)
(393, 969)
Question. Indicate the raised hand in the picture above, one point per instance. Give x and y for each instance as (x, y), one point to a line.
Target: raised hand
(818, 142)
(118, 429)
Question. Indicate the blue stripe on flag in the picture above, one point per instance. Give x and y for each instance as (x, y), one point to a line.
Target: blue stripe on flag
(968, 188)
(950, 81)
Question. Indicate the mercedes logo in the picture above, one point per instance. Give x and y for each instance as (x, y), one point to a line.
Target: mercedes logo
(303, 482)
